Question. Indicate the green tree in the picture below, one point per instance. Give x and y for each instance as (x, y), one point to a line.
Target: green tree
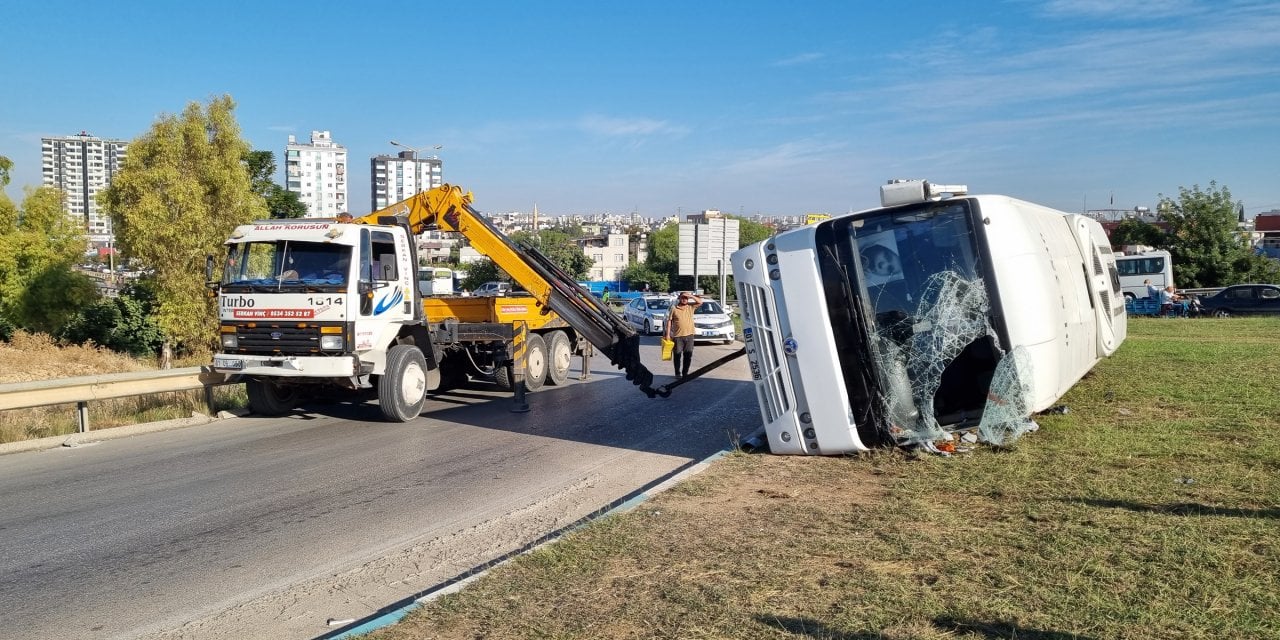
(123, 323)
(183, 189)
(664, 257)
(6, 165)
(640, 273)
(751, 232)
(281, 202)
(560, 247)
(1207, 247)
(39, 246)
(1132, 231)
(480, 272)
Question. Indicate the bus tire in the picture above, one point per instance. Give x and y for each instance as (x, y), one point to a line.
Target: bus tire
(559, 356)
(268, 398)
(402, 389)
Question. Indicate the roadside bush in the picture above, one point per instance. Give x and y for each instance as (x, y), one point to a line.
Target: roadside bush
(124, 324)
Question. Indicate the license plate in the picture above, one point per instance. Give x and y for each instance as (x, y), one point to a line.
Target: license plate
(708, 333)
(228, 363)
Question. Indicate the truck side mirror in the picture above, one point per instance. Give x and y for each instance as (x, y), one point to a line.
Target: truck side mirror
(208, 274)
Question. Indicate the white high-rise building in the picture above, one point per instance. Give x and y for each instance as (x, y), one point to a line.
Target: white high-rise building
(394, 178)
(82, 165)
(317, 172)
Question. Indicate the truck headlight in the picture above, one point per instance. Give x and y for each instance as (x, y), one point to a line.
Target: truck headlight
(229, 341)
(331, 343)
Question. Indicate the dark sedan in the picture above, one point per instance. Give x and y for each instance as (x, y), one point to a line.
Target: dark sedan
(1243, 299)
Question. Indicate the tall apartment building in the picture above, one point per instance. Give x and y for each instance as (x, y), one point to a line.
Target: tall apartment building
(82, 165)
(317, 172)
(394, 178)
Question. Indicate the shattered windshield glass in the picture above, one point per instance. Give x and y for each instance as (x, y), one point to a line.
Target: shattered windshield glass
(914, 327)
(278, 265)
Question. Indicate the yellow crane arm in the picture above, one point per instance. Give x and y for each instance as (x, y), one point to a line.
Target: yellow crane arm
(448, 208)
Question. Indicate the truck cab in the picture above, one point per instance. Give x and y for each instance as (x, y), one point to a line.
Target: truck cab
(313, 299)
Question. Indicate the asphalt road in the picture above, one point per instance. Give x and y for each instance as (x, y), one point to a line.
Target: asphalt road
(257, 527)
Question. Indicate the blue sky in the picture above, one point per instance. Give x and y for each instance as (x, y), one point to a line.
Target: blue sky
(663, 107)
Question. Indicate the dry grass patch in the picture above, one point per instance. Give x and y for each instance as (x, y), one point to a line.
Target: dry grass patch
(31, 357)
(35, 356)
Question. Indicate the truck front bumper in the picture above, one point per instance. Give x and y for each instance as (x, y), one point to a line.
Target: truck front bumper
(287, 366)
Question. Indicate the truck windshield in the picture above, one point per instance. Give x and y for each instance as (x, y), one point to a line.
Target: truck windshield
(285, 264)
(886, 277)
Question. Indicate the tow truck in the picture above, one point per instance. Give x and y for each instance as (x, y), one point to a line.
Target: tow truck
(310, 304)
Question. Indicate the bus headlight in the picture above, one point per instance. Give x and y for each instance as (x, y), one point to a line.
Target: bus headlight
(331, 343)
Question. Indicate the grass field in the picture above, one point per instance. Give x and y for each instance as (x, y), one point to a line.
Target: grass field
(1150, 510)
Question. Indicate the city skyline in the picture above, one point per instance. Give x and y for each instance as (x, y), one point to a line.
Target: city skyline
(745, 107)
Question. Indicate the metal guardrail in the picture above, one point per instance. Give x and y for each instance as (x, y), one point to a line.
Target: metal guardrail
(84, 389)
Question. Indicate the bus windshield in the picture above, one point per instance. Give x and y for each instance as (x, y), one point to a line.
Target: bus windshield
(909, 308)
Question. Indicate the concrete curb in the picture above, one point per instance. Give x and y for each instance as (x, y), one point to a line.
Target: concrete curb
(90, 437)
(398, 611)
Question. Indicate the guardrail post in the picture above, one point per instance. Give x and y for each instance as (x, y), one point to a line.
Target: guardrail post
(82, 411)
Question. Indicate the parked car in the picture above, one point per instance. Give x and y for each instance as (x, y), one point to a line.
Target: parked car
(712, 323)
(493, 289)
(647, 313)
(1243, 299)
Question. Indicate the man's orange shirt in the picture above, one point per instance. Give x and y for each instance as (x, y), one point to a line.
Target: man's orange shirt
(681, 320)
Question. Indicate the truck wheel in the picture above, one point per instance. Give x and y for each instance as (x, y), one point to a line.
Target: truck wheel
(559, 356)
(402, 389)
(267, 398)
(535, 362)
(500, 378)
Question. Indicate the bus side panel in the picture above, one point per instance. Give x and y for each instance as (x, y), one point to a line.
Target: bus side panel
(1041, 284)
(1027, 289)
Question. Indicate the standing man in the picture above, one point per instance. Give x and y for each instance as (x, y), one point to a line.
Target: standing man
(1153, 291)
(679, 329)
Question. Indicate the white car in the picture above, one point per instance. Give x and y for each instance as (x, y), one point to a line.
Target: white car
(647, 313)
(710, 322)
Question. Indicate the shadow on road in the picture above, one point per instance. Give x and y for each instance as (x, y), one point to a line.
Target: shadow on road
(701, 417)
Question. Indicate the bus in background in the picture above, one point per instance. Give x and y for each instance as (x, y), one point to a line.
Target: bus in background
(435, 281)
(1137, 268)
(937, 312)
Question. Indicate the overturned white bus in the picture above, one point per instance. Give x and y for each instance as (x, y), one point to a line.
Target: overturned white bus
(938, 311)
